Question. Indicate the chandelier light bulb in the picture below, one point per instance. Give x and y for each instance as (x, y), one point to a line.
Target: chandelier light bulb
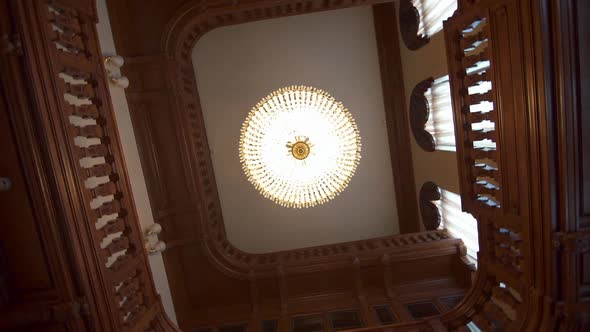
(299, 147)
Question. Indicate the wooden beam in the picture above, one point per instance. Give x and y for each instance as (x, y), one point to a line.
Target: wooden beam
(399, 310)
(360, 294)
(396, 114)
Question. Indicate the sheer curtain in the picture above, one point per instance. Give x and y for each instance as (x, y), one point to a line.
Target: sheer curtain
(433, 13)
(458, 223)
(440, 120)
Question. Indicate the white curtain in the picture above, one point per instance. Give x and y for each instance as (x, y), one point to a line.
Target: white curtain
(433, 13)
(458, 223)
(440, 121)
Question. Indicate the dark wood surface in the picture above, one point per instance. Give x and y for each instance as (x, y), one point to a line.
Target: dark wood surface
(419, 114)
(571, 158)
(409, 19)
(396, 115)
(533, 269)
(176, 160)
(60, 259)
(431, 217)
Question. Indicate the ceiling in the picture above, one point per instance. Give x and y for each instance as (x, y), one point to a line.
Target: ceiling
(335, 51)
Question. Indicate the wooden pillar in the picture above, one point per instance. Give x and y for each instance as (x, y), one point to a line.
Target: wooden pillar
(368, 318)
(284, 322)
(399, 310)
(254, 324)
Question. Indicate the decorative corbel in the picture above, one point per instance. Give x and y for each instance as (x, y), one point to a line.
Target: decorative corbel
(112, 65)
(431, 217)
(409, 21)
(419, 114)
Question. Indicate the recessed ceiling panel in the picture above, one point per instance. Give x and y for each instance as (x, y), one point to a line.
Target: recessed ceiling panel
(334, 51)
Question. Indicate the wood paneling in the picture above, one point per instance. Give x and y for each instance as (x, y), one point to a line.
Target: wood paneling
(21, 241)
(396, 115)
(216, 276)
(572, 107)
(75, 251)
(533, 267)
(582, 12)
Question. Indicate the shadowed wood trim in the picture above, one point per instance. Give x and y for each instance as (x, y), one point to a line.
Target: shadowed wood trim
(187, 26)
(526, 246)
(508, 237)
(396, 115)
(98, 277)
(430, 213)
(419, 114)
(571, 242)
(409, 19)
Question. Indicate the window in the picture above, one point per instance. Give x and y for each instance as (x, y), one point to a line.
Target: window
(433, 13)
(345, 320)
(440, 118)
(384, 315)
(472, 327)
(458, 223)
(234, 328)
(451, 301)
(269, 326)
(308, 324)
(421, 310)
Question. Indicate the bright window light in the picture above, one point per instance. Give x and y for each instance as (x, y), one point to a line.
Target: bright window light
(458, 223)
(433, 13)
(440, 120)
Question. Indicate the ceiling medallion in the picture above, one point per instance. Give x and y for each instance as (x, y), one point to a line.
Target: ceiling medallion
(299, 147)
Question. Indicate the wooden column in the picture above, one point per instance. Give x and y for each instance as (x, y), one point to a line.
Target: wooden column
(396, 115)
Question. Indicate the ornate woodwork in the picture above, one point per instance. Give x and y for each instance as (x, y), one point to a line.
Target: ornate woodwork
(419, 114)
(60, 115)
(189, 210)
(569, 48)
(500, 181)
(528, 190)
(409, 19)
(395, 115)
(431, 217)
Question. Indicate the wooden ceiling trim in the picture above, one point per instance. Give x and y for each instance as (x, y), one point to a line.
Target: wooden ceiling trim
(431, 217)
(396, 115)
(189, 24)
(512, 292)
(419, 114)
(409, 18)
(514, 38)
(148, 96)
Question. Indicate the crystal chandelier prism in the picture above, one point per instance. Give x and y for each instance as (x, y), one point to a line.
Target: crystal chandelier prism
(299, 147)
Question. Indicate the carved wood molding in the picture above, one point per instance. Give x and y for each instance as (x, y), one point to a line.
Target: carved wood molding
(5, 291)
(409, 21)
(505, 232)
(494, 187)
(102, 279)
(190, 23)
(431, 217)
(514, 281)
(419, 114)
(396, 116)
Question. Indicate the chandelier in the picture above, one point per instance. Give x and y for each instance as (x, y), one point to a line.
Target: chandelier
(299, 147)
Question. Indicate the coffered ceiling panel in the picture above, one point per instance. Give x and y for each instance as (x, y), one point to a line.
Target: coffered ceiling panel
(335, 51)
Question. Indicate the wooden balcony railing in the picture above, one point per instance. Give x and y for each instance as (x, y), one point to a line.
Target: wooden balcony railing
(61, 55)
(515, 82)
